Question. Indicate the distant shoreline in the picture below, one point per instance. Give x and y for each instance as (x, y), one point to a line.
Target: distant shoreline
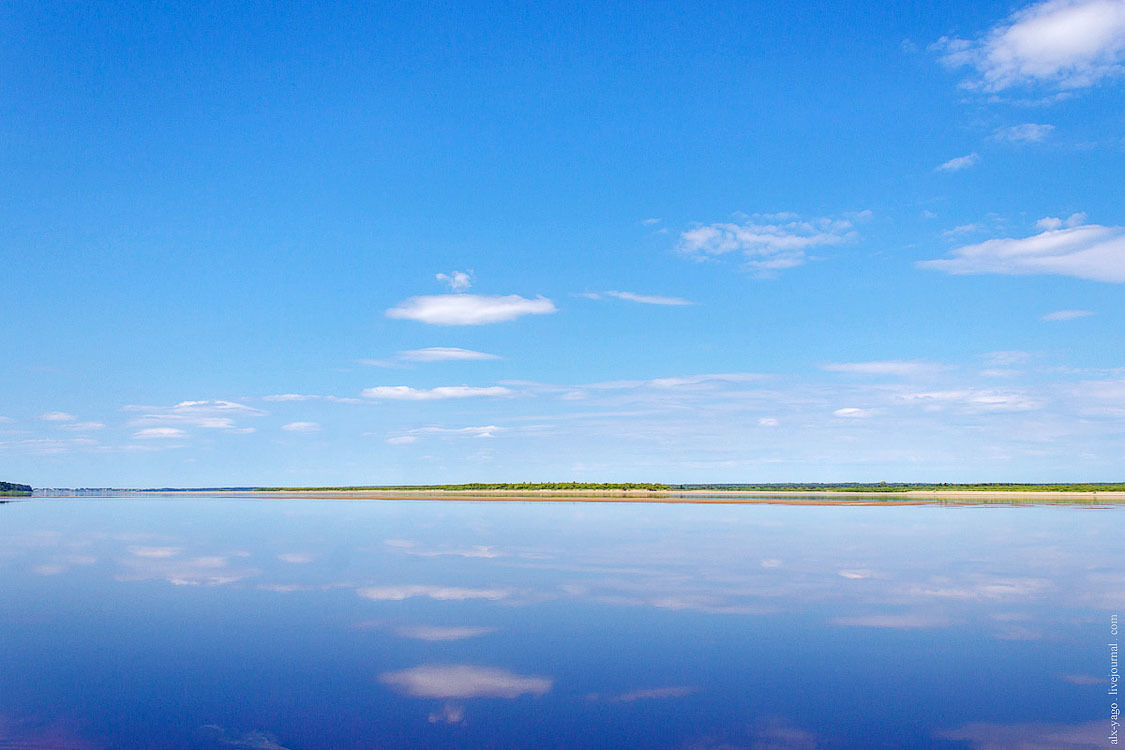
(748, 497)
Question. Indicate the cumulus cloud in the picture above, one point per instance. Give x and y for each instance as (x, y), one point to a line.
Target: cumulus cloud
(1063, 44)
(440, 593)
(406, 393)
(959, 163)
(458, 281)
(469, 309)
(159, 433)
(768, 243)
(1088, 251)
(464, 681)
(1067, 314)
(440, 633)
(57, 416)
(884, 367)
(301, 427)
(1028, 132)
(649, 299)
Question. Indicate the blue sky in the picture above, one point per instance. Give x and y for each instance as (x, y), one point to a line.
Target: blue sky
(374, 243)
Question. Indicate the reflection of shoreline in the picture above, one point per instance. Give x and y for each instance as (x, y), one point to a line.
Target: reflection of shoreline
(757, 497)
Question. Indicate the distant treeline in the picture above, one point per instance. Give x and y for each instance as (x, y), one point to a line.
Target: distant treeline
(10, 489)
(487, 486)
(771, 487)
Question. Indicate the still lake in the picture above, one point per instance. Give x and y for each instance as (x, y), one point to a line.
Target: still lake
(180, 622)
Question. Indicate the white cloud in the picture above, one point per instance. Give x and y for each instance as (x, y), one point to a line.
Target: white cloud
(307, 397)
(1065, 44)
(469, 309)
(440, 593)
(57, 416)
(894, 621)
(1067, 314)
(884, 367)
(677, 691)
(157, 553)
(1087, 252)
(442, 354)
(431, 354)
(768, 422)
(218, 415)
(959, 163)
(464, 681)
(440, 633)
(768, 243)
(650, 222)
(852, 412)
(84, 426)
(648, 299)
(301, 427)
(1054, 222)
(486, 431)
(402, 440)
(295, 558)
(975, 399)
(458, 281)
(1027, 132)
(406, 393)
(159, 433)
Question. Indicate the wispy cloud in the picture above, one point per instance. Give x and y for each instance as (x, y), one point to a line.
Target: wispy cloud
(83, 426)
(469, 309)
(440, 593)
(159, 433)
(219, 415)
(645, 299)
(1027, 132)
(442, 633)
(885, 367)
(308, 397)
(485, 431)
(959, 163)
(1090, 252)
(1067, 315)
(57, 416)
(853, 412)
(407, 393)
(301, 427)
(768, 243)
(1063, 44)
(430, 354)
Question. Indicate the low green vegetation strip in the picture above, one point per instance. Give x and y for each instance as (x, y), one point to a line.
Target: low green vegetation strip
(785, 487)
(9, 489)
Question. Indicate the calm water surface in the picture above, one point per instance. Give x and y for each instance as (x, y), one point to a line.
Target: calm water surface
(221, 623)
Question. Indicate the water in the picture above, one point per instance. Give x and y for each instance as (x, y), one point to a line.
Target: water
(288, 623)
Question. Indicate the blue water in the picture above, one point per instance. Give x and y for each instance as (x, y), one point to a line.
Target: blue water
(291, 623)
